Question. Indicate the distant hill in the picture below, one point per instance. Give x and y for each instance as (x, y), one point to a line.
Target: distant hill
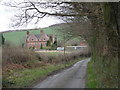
(17, 36)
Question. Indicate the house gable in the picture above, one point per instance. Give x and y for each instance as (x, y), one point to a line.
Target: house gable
(44, 37)
(32, 38)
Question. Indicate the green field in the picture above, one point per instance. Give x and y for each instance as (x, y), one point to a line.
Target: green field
(17, 37)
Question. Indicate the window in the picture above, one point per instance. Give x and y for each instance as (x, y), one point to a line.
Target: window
(32, 39)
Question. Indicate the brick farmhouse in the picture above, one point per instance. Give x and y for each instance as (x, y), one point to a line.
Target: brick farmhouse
(36, 40)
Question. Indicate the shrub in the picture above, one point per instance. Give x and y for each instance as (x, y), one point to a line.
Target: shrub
(17, 55)
(41, 47)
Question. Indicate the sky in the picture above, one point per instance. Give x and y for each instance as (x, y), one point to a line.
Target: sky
(6, 14)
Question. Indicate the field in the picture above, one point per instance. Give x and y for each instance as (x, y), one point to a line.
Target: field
(17, 37)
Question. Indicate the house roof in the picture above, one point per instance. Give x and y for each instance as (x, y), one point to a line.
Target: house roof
(37, 35)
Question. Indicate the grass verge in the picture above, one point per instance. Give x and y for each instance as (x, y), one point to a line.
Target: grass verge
(27, 77)
(91, 76)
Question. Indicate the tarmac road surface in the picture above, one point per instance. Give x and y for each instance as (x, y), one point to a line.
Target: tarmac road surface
(73, 77)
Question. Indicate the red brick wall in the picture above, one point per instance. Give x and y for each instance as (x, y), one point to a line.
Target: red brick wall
(37, 45)
(32, 41)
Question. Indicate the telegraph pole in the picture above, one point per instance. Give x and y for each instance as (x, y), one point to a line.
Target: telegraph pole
(64, 45)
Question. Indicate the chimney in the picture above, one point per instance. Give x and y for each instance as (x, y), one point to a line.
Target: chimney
(27, 32)
(41, 32)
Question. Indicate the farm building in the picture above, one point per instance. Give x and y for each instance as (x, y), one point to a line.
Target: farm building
(71, 48)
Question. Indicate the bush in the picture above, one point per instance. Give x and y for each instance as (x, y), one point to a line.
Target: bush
(41, 47)
(17, 55)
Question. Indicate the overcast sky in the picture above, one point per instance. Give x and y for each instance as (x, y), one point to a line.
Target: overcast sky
(7, 13)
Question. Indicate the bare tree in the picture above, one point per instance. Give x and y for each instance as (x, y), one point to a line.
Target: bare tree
(32, 10)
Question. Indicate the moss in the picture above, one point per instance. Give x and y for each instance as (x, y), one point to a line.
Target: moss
(92, 81)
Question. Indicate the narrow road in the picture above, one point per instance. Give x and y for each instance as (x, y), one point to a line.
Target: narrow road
(73, 77)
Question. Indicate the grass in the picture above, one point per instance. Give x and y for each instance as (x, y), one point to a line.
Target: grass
(53, 53)
(27, 77)
(91, 78)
